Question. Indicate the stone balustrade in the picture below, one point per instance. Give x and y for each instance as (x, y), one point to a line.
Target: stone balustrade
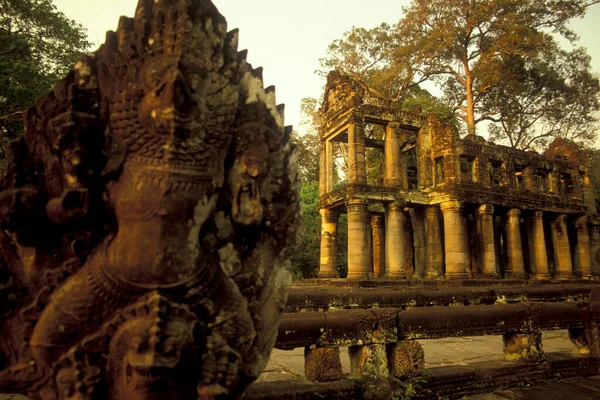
(383, 342)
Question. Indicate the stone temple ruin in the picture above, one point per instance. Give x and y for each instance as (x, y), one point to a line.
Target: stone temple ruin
(441, 206)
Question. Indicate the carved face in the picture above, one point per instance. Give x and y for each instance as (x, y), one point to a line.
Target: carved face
(170, 99)
(150, 357)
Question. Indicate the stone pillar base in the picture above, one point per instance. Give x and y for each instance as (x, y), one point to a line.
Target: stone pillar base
(579, 338)
(406, 359)
(541, 277)
(322, 364)
(523, 347)
(494, 275)
(457, 275)
(327, 275)
(515, 275)
(434, 275)
(368, 361)
(563, 275)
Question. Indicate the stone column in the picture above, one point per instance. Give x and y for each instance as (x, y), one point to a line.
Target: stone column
(433, 243)
(539, 266)
(417, 218)
(328, 263)
(394, 241)
(516, 266)
(562, 251)
(454, 240)
(378, 230)
(589, 199)
(359, 254)
(329, 165)
(583, 266)
(594, 248)
(485, 215)
(393, 156)
(323, 167)
(357, 167)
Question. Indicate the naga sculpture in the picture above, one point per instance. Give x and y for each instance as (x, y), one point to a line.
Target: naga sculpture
(146, 215)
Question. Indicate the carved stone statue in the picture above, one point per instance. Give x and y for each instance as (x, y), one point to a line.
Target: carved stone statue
(146, 215)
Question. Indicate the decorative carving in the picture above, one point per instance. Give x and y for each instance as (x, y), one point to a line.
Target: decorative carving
(146, 217)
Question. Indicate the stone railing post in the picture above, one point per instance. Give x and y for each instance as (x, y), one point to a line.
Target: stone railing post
(406, 359)
(322, 364)
(520, 346)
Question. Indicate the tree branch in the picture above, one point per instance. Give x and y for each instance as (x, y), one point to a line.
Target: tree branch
(11, 115)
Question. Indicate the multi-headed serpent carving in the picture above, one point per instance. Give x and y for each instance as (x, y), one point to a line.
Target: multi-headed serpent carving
(146, 214)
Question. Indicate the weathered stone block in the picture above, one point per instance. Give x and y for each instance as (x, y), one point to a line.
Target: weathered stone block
(523, 346)
(405, 359)
(369, 362)
(322, 364)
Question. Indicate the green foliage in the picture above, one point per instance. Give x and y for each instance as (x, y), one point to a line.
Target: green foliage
(38, 45)
(593, 162)
(464, 44)
(308, 156)
(370, 57)
(305, 261)
(342, 246)
(553, 95)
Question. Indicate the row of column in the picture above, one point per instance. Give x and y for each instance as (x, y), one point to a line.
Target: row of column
(383, 253)
(395, 164)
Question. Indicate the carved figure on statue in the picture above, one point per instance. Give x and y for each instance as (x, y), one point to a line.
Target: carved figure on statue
(147, 214)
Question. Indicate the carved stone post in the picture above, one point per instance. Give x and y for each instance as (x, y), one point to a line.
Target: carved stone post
(328, 262)
(369, 361)
(406, 359)
(583, 266)
(378, 229)
(394, 161)
(539, 268)
(394, 241)
(454, 240)
(523, 346)
(485, 214)
(357, 168)
(322, 364)
(516, 266)
(562, 250)
(433, 243)
(359, 254)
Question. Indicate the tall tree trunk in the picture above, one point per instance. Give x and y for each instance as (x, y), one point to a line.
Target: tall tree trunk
(470, 117)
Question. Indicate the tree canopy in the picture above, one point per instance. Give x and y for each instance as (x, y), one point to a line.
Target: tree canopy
(488, 57)
(38, 45)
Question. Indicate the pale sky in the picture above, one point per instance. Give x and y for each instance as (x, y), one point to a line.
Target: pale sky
(287, 38)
